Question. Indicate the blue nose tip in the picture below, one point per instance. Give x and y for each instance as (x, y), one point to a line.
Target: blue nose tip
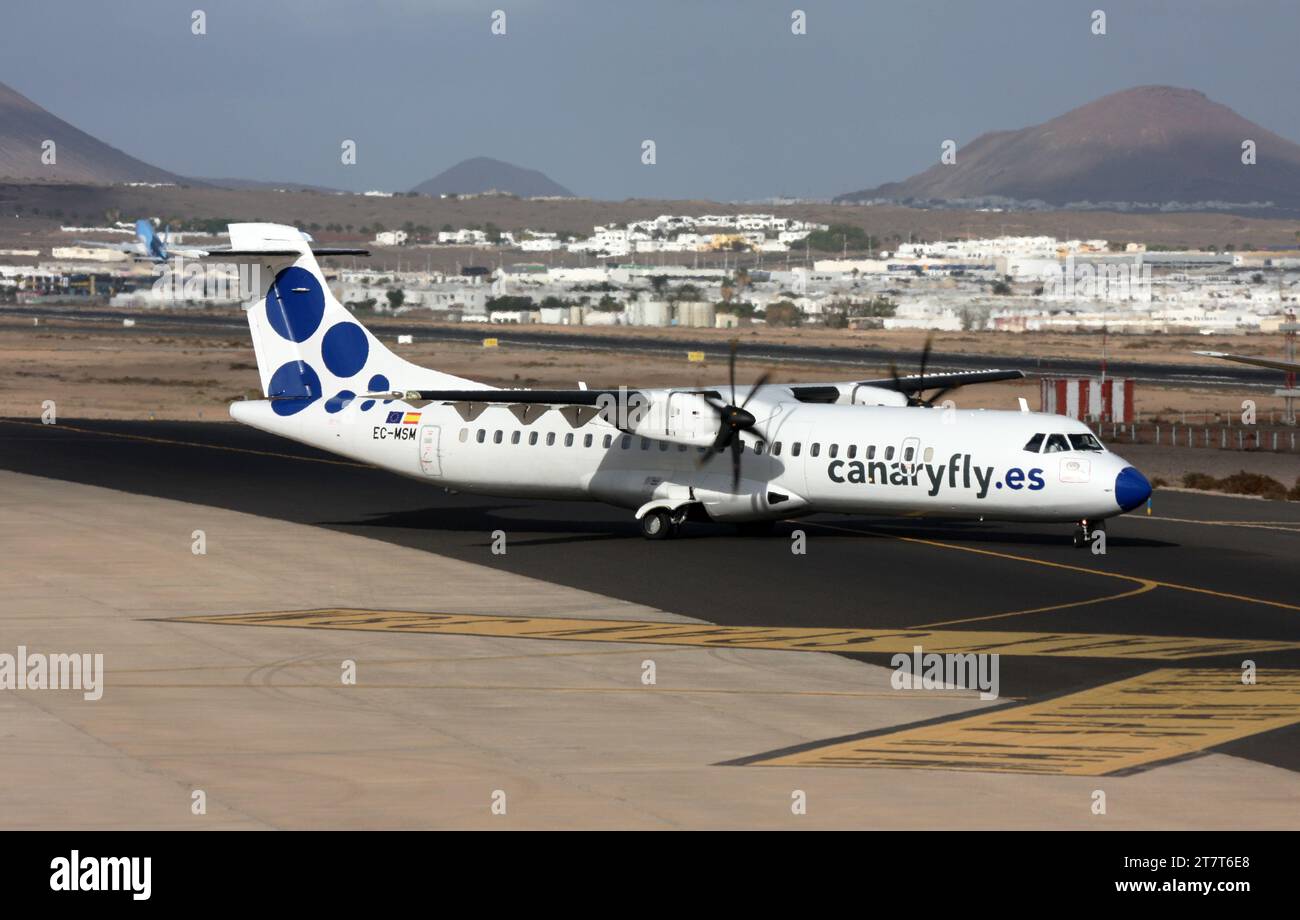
(1131, 488)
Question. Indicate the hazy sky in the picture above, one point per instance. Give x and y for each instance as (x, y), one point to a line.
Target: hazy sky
(738, 106)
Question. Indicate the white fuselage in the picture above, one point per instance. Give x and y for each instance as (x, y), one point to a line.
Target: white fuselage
(817, 458)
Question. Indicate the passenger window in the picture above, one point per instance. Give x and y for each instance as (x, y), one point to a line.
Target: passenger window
(464, 435)
(481, 435)
(626, 442)
(1085, 442)
(889, 452)
(550, 438)
(663, 445)
(908, 453)
(681, 448)
(496, 437)
(609, 439)
(586, 440)
(1056, 443)
(568, 439)
(834, 451)
(645, 443)
(515, 436)
(794, 449)
(816, 449)
(532, 438)
(871, 452)
(758, 448)
(928, 455)
(853, 451)
(776, 449)
(1035, 443)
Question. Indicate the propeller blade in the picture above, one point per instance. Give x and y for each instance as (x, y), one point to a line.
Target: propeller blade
(736, 450)
(731, 369)
(898, 385)
(925, 357)
(758, 385)
(725, 436)
(937, 396)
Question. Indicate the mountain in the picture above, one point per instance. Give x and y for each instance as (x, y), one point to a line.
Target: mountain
(1152, 146)
(25, 126)
(484, 174)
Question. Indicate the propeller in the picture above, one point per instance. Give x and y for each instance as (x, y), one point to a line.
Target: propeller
(733, 419)
(913, 399)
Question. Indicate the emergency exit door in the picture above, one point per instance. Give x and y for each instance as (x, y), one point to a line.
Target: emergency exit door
(430, 464)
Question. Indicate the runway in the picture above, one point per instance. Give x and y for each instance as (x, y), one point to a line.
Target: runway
(1213, 375)
(1216, 574)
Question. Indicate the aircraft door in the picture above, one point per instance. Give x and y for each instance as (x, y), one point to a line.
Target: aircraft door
(430, 462)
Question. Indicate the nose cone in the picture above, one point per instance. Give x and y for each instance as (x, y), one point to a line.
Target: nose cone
(1131, 488)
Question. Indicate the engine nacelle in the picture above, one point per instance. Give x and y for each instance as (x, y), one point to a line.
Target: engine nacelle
(679, 417)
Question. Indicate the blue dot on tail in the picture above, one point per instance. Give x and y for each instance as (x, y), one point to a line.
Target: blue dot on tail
(377, 383)
(295, 304)
(296, 385)
(339, 401)
(345, 349)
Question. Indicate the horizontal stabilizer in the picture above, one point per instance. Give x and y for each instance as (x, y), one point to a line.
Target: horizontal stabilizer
(280, 253)
(515, 397)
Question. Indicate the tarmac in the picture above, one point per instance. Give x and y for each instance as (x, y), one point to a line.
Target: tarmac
(587, 678)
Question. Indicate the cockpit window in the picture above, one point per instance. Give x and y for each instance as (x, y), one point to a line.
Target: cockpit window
(1085, 441)
(1056, 443)
(1035, 443)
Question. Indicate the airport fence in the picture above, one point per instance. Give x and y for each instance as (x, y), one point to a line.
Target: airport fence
(1267, 438)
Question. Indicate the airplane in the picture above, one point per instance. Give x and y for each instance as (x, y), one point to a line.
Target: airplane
(857, 447)
(147, 246)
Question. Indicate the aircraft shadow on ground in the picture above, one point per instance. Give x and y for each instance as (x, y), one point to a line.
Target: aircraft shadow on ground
(486, 518)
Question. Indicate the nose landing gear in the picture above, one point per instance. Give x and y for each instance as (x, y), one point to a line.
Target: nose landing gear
(1084, 532)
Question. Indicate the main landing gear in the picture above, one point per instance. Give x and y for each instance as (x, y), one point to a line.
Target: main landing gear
(1084, 530)
(659, 524)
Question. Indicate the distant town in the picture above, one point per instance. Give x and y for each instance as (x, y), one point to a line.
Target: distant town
(730, 270)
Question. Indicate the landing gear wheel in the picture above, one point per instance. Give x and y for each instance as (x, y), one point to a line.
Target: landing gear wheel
(657, 524)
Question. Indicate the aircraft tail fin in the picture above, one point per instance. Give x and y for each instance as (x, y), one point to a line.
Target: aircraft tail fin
(313, 355)
(154, 247)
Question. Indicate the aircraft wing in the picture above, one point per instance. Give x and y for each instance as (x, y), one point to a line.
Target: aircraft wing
(915, 383)
(1292, 367)
(909, 386)
(809, 392)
